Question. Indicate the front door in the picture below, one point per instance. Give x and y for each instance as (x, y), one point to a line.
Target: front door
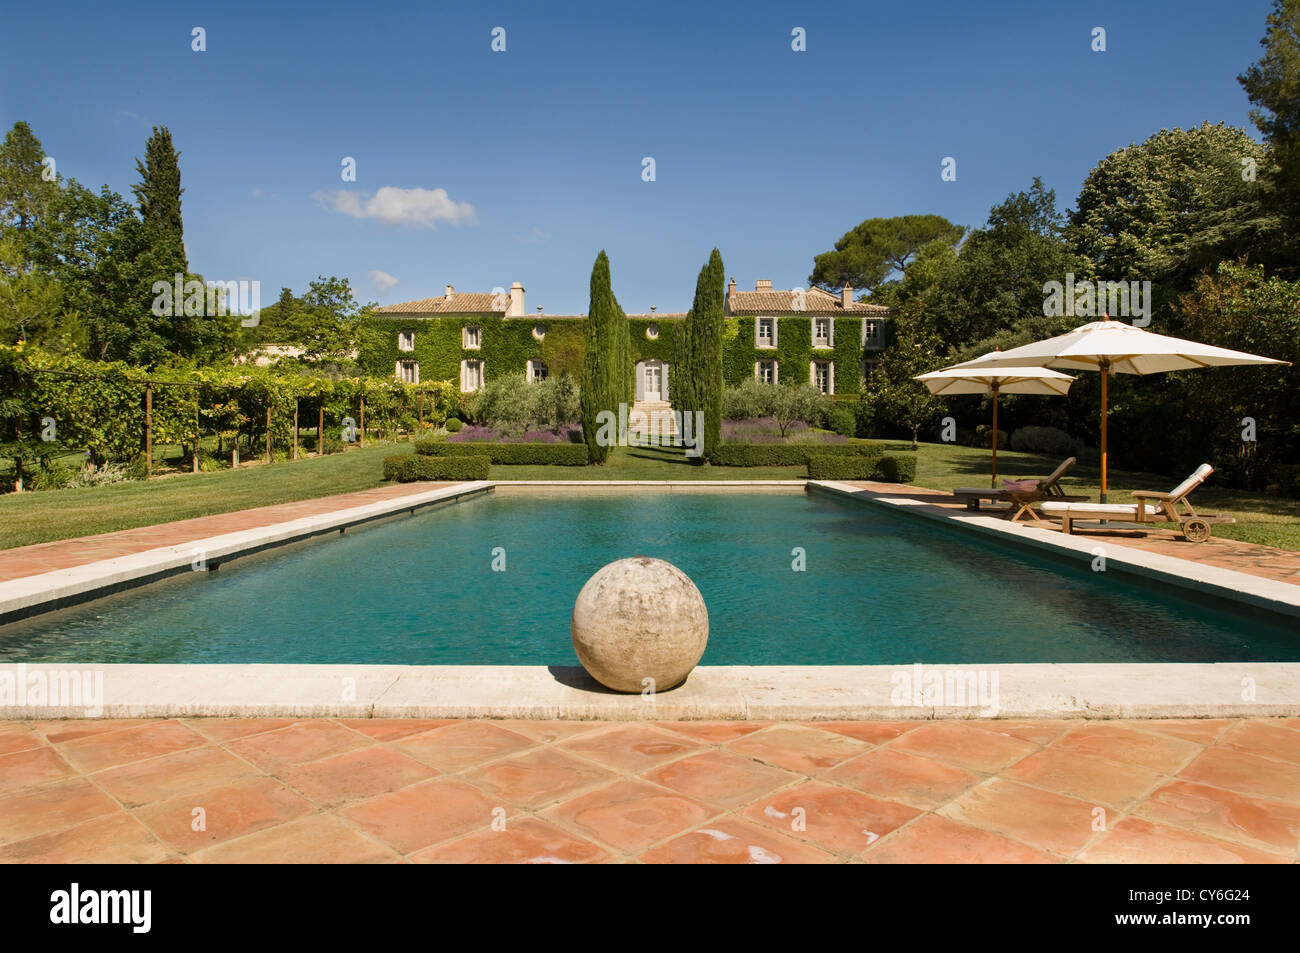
(654, 376)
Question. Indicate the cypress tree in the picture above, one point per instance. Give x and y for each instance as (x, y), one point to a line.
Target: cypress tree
(159, 190)
(696, 376)
(604, 379)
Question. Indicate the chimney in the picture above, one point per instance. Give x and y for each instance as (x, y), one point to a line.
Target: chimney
(846, 296)
(516, 301)
(450, 291)
(652, 309)
(731, 288)
(539, 310)
(763, 284)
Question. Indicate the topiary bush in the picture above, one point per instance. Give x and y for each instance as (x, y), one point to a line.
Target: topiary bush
(408, 468)
(541, 454)
(1048, 440)
(886, 469)
(787, 454)
(895, 468)
(454, 424)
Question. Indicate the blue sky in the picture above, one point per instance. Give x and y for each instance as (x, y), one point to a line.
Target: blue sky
(766, 153)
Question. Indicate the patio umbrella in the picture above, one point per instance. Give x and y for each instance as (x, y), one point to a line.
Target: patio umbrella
(993, 381)
(1113, 347)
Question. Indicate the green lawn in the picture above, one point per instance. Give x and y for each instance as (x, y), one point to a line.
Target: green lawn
(60, 514)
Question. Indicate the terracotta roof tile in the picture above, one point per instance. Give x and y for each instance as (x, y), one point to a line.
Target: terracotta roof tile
(462, 302)
(782, 302)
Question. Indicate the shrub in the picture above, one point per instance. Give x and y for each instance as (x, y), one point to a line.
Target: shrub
(408, 468)
(1048, 440)
(786, 454)
(897, 469)
(887, 469)
(749, 400)
(1287, 478)
(53, 478)
(842, 420)
(138, 468)
(554, 454)
(454, 424)
(90, 475)
(984, 437)
(803, 402)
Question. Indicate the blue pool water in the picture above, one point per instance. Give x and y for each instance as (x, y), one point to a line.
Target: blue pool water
(879, 588)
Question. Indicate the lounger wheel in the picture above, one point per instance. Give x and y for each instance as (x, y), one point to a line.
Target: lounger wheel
(1196, 530)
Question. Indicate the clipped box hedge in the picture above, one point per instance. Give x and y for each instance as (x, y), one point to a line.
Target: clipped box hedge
(408, 468)
(886, 469)
(553, 454)
(787, 454)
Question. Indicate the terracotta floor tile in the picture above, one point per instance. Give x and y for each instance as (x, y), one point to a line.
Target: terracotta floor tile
(116, 838)
(1265, 739)
(799, 748)
(59, 731)
(319, 839)
(228, 729)
(1227, 815)
(938, 840)
(872, 732)
(227, 812)
(1203, 731)
(1138, 841)
(16, 736)
(35, 766)
(713, 732)
(898, 776)
(1040, 819)
(549, 732)
(1163, 753)
(630, 815)
(1085, 776)
(424, 814)
(185, 772)
(1247, 773)
(730, 840)
(465, 744)
(525, 840)
(298, 743)
(720, 778)
(957, 743)
(537, 778)
(51, 808)
(631, 748)
(390, 729)
(1035, 732)
(353, 775)
(834, 818)
(111, 748)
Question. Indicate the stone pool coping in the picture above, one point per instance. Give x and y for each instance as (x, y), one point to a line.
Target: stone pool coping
(711, 693)
(1034, 690)
(1269, 595)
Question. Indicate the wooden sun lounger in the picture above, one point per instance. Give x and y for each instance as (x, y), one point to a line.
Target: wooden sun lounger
(1022, 501)
(1195, 526)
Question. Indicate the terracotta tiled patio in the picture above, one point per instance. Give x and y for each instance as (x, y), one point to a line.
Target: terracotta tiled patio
(323, 791)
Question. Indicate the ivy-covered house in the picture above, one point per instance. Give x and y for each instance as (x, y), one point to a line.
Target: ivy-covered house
(781, 336)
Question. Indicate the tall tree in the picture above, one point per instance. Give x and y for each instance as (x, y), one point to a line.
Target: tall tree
(700, 355)
(604, 379)
(26, 190)
(1273, 85)
(159, 190)
(878, 247)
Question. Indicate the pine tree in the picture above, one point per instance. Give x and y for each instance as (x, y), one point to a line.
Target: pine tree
(604, 378)
(159, 190)
(25, 193)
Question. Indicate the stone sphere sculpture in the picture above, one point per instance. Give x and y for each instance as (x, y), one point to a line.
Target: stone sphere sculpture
(639, 618)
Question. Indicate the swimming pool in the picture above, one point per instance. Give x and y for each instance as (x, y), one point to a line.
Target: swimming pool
(876, 588)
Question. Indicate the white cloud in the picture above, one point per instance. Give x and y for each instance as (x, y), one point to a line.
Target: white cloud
(394, 206)
(383, 281)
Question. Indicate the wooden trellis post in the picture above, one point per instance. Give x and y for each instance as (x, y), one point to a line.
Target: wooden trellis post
(268, 430)
(148, 430)
(361, 434)
(198, 432)
(295, 428)
(320, 431)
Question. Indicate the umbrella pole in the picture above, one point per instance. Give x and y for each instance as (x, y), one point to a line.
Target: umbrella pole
(1105, 378)
(995, 436)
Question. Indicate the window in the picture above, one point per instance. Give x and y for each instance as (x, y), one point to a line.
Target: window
(539, 331)
(408, 372)
(536, 371)
(406, 340)
(472, 337)
(765, 332)
(822, 332)
(869, 368)
(765, 371)
(471, 375)
(823, 376)
(871, 334)
(652, 330)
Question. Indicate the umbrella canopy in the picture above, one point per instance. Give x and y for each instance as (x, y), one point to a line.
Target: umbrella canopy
(992, 381)
(1113, 347)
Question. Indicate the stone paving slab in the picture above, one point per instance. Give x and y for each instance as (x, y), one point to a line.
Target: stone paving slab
(506, 791)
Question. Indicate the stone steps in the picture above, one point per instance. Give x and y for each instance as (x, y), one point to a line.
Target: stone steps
(659, 414)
